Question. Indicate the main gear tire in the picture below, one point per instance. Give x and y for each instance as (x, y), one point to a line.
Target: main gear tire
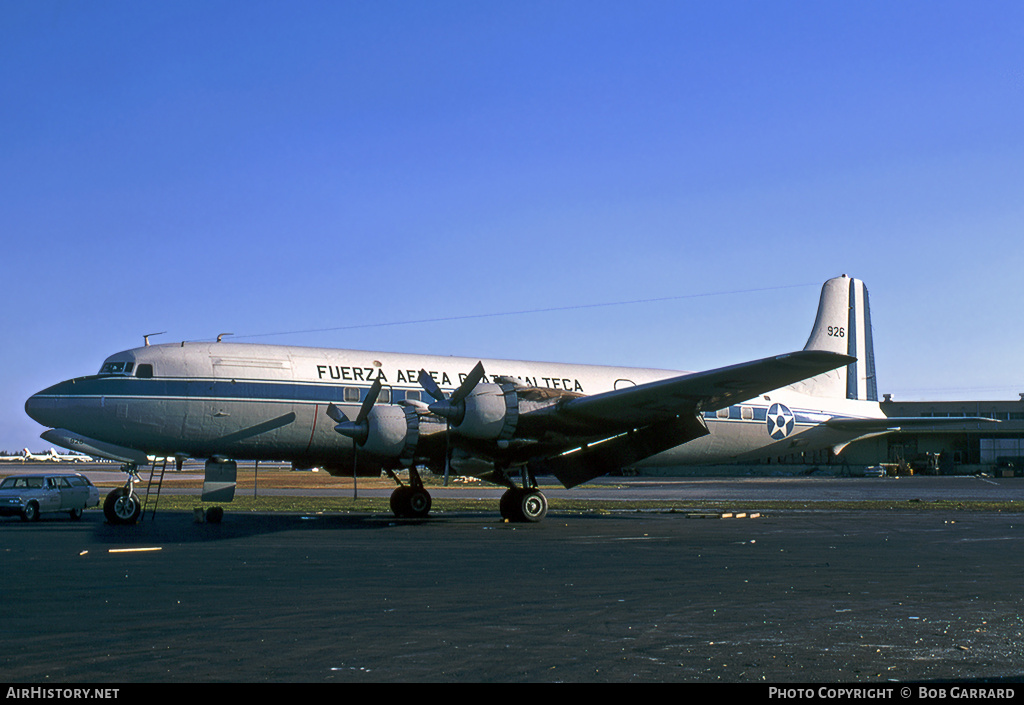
(400, 501)
(533, 506)
(418, 503)
(518, 505)
(410, 502)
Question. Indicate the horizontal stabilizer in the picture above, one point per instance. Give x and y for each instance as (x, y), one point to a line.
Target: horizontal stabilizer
(897, 423)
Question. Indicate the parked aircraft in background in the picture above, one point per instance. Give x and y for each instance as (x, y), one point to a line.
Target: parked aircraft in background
(506, 421)
(54, 456)
(19, 458)
(50, 456)
(30, 457)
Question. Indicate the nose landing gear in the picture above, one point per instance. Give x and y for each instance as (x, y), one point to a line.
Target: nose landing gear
(122, 505)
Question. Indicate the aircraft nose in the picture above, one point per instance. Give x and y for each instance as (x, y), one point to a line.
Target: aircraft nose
(39, 408)
(47, 408)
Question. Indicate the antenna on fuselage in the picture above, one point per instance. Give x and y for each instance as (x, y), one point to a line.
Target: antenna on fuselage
(146, 337)
(222, 335)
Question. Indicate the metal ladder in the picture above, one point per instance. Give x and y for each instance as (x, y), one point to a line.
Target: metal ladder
(156, 481)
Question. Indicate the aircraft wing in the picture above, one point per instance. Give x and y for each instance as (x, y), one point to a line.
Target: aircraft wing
(642, 405)
(603, 432)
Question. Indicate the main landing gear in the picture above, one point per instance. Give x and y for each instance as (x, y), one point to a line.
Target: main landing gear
(518, 504)
(523, 504)
(410, 501)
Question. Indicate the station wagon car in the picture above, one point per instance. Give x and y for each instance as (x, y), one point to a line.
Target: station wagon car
(30, 495)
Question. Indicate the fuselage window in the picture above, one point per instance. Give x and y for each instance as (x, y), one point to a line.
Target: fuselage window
(385, 396)
(723, 413)
(413, 395)
(144, 371)
(351, 394)
(747, 413)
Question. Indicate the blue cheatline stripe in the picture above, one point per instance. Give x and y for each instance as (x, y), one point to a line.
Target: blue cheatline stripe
(240, 390)
(804, 417)
(289, 392)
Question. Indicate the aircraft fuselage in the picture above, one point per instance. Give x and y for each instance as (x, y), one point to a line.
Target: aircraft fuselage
(269, 402)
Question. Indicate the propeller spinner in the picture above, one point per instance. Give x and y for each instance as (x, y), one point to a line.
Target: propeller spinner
(358, 430)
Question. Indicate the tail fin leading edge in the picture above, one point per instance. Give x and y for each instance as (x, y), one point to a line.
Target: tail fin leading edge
(843, 325)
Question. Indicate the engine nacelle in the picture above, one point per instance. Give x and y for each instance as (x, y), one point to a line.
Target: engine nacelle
(385, 431)
(491, 412)
(393, 432)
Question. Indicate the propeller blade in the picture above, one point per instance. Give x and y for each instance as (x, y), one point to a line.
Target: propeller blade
(469, 384)
(369, 401)
(336, 414)
(447, 455)
(428, 383)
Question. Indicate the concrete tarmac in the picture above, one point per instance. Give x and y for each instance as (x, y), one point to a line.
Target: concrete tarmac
(791, 597)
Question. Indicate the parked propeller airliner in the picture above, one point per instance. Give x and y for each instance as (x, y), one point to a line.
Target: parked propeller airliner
(505, 421)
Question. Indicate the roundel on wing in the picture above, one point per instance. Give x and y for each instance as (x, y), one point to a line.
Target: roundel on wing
(780, 421)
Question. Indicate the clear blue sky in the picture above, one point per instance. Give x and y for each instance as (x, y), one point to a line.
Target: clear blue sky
(269, 167)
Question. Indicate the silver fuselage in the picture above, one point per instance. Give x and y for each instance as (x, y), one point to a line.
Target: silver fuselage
(269, 402)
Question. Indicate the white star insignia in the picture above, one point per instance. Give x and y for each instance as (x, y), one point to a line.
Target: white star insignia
(780, 421)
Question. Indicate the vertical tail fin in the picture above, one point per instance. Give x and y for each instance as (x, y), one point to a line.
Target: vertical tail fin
(843, 325)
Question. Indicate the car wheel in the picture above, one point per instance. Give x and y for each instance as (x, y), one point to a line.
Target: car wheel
(30, 512)
(76, 514)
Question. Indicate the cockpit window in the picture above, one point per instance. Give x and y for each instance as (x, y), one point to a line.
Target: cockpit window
(117, 368)
(144, 371)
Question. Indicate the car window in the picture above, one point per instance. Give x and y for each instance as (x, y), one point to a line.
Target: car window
(34, 483)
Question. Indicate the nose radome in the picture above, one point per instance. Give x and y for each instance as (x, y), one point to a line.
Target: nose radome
(34, 407)
(41, 408)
